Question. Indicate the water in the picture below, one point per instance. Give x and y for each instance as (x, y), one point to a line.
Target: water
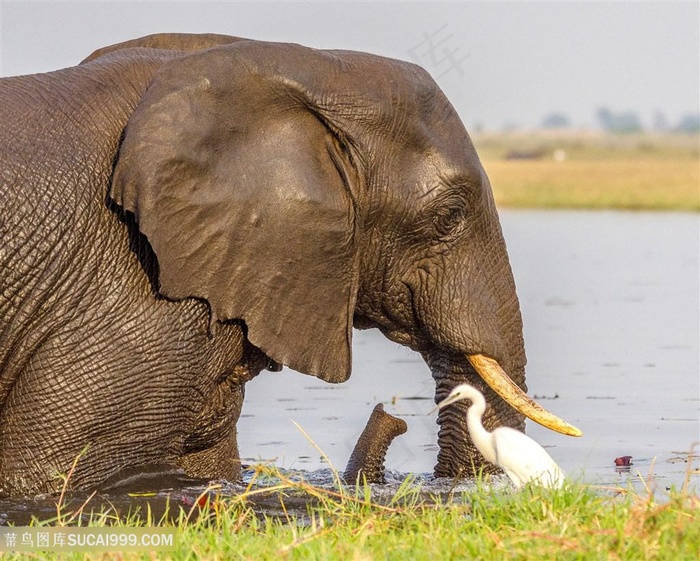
(611, 310)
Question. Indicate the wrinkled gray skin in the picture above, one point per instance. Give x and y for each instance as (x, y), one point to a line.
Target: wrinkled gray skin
(367, 458)
(175, 221)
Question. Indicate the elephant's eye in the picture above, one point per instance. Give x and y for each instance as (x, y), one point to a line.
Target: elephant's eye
(448, 216)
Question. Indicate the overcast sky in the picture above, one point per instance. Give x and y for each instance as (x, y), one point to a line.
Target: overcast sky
(499, 63)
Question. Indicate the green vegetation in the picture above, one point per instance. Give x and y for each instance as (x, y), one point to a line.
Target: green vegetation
(593, 171)
(576, 522)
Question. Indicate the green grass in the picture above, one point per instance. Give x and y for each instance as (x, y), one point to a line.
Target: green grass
(576, 522)
(593, 171)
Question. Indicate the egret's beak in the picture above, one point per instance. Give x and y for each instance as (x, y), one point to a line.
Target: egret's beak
(449, 399)
(492, 373)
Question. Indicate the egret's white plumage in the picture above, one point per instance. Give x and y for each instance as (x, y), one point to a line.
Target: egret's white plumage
(520, 457)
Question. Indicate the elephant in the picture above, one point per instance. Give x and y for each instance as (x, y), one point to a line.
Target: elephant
(180, 212)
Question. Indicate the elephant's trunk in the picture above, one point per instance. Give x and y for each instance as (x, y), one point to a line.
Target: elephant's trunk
(367, 457)
(457, 455)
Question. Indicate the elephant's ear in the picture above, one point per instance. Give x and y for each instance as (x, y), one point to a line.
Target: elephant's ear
(245, 197)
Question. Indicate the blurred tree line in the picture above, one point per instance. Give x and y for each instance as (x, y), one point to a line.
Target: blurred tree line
(627, 122)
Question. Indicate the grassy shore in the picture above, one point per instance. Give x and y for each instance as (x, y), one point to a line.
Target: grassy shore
(592, 171)
(576, 522)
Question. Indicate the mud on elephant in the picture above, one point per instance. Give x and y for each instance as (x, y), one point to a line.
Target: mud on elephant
(180, 212)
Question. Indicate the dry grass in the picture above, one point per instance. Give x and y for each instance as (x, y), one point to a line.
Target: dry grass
(658, 184)
(639, 172)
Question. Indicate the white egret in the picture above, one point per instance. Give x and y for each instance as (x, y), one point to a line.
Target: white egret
(515, 453)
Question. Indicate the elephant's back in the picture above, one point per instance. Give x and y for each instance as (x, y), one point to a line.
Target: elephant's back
(59, 136)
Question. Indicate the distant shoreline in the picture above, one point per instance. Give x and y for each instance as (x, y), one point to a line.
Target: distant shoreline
(585, 170)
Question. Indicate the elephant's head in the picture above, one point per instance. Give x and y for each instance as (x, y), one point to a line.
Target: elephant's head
(307, 191)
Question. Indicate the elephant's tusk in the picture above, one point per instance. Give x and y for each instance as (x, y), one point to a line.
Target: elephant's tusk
(492, 373)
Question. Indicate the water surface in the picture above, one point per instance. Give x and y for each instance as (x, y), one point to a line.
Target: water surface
(610, 304)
